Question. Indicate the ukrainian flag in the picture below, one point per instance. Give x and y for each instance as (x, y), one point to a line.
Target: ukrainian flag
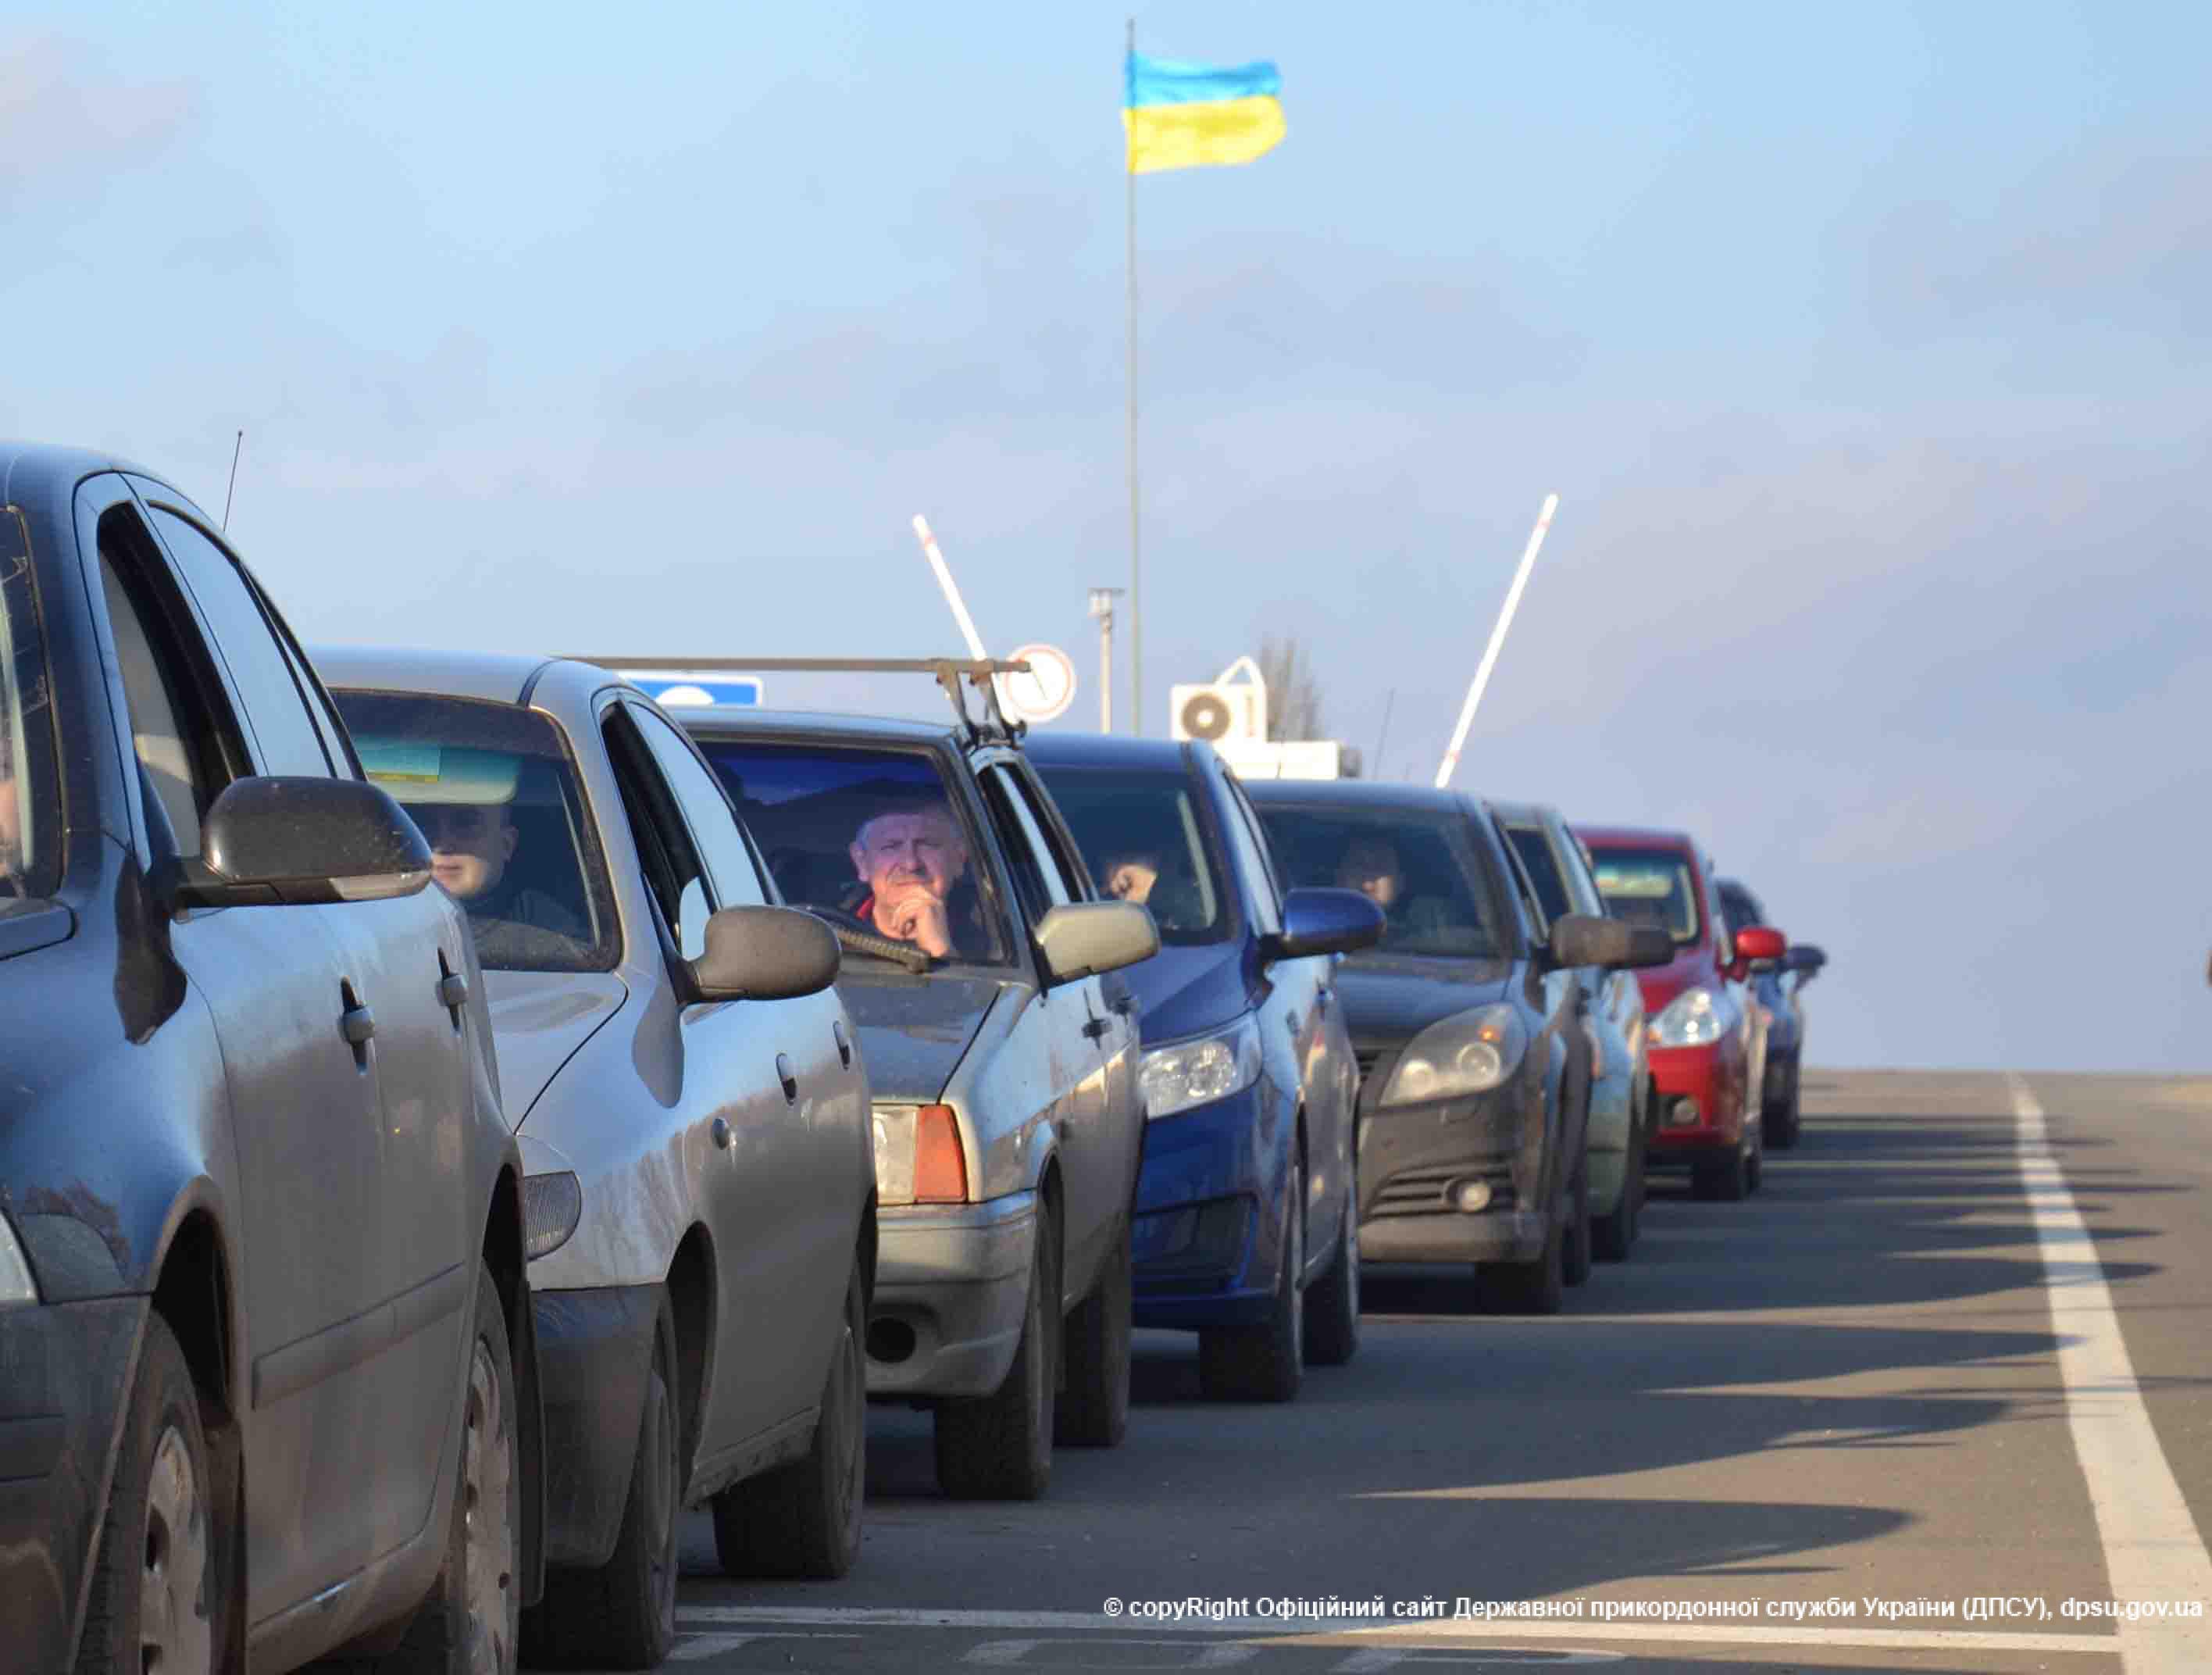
(1194, 115)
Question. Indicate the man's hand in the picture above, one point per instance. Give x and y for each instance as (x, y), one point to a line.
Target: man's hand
(919, 918)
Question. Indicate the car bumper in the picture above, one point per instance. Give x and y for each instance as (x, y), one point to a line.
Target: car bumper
(64, 1369)
(1711, 1077)
(594, 1350)
(952, 1287)
(1413, 1158)
(1198, 1259)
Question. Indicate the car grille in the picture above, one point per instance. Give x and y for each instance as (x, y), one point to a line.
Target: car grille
(1421, 1192)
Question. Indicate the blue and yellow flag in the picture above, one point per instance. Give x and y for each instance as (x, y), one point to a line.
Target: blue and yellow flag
(1195, 115)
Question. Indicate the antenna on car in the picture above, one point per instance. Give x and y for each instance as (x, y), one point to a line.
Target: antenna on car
(978, 672)
(236, 448)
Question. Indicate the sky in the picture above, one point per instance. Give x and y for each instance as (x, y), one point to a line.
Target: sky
(1866, 348)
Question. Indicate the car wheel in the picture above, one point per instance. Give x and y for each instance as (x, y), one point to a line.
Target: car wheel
(155, 1593)
(1782, 1117)
(1575, 1247)
(1266, 1362)
(1332, 1300)
(803, 1519)
(623, 1614)
(1728, 1181)
(1531, 1288)
(1613, 1234)
(1093, 1409)
(1754, 1161)
(472, 1620)
(998, 1447)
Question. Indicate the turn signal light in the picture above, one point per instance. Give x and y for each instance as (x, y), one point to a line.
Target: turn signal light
(940, 1168)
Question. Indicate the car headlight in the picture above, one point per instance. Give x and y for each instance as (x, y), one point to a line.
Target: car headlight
(1694, 1018)
(1466, 1053)
(1212, 1067)
(552, 1204)
(16, 1285)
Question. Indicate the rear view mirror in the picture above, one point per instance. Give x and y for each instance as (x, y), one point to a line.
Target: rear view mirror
(764, 953)
(1584, 939)
(1805, 959)
(1084, 938)
(283, 840)
(1325, 921)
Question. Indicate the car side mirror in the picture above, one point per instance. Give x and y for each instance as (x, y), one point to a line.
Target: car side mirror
(283, 840)
(1757, 946)
(1806, 960)
(1083, 939)
(1324, 920)
(1584, 939)
(764, 953)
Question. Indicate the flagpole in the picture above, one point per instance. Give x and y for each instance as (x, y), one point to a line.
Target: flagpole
(1136, 583)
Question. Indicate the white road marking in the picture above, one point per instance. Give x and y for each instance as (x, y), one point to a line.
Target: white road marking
(1473, 1634)
(690, 1649)
(2152, 1546)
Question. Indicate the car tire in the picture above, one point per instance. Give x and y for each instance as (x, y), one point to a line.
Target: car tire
(1332, 1300)
(1754, 1160)
(1613, 1235)
(161, 1546)
(1093, 1408)
(472, 1620)
(1575, 1247)
(1729, 1182)
(1266, 1362)
(1781, 1121)
(1531, 1288)
(998, 1447)
(802, 1520)
(622, 1615)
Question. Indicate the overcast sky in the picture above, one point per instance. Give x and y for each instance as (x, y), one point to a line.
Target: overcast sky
(1867, 350)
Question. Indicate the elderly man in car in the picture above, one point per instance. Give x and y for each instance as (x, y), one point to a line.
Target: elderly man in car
(912, 860)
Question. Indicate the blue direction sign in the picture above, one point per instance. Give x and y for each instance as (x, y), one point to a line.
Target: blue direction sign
(681, 690)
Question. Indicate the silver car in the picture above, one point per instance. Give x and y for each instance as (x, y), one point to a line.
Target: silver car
(1007, 1120)
(693, 1120)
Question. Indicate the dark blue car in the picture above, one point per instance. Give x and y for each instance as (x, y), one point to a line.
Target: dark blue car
(1246, 1229)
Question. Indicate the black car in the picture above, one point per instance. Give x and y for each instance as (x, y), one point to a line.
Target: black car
(267, 1387)
(1778, 985)
(1475, 1072)
(1247, 1229)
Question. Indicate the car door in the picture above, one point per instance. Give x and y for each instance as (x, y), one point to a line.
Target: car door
(1619, 995)
(731, 1129)
(802, 1152)
(1301, 1003)
(1099, 1162)
(328, 1416)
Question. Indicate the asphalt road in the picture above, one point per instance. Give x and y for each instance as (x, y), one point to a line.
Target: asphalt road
(1850, 1388)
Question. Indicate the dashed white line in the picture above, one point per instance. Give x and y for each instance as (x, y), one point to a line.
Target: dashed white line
(2153, 1549)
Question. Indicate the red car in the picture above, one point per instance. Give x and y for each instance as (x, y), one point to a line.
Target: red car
(1706, 1036)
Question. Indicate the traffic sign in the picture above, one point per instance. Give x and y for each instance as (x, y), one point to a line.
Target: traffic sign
(1044, 693)
(684, 690)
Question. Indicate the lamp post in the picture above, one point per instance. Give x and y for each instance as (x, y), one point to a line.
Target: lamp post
(1102, 607)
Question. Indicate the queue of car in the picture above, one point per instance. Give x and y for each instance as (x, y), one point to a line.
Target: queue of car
(384, 1269)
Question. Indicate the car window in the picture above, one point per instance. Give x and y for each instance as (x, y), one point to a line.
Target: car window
(1574, 867)
(1039, 883)
(1724, 943)
(1650, 888)
(1418, 865)
(1255, 860)
(1739, 908)
(1532, 847)
(1534, 914)
(277, 705)
(1140, 833)
(707, 811)
(859, 833)
(495, 790)
(674, 873)
(30, 794)
(1060, 850)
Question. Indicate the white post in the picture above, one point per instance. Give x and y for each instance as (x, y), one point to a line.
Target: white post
(1497, 640)
(1102, 607)
(935, 554)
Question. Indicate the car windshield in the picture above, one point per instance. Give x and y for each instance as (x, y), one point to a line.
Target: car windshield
(30, 804)
(1142, 836)
(1649, 887)
(1416, 866)
(870, 838)
(494, 790)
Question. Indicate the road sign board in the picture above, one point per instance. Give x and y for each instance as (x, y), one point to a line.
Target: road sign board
(1044, 693)
(689, 690)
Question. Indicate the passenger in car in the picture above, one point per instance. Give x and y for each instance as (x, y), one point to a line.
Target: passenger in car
(1130, 874)
(911, 860)
(471, 845)
(1370, 866)
(11, 820)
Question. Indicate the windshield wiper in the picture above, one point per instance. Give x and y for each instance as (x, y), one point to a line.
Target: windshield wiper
(903, 954)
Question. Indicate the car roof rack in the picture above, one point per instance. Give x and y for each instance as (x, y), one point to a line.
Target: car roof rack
(992, 726)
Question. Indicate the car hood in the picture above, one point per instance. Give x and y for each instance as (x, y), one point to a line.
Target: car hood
(1661, 984)
(1186, 992)
(914, 1031)
(538, 1021)
(1390, 999)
